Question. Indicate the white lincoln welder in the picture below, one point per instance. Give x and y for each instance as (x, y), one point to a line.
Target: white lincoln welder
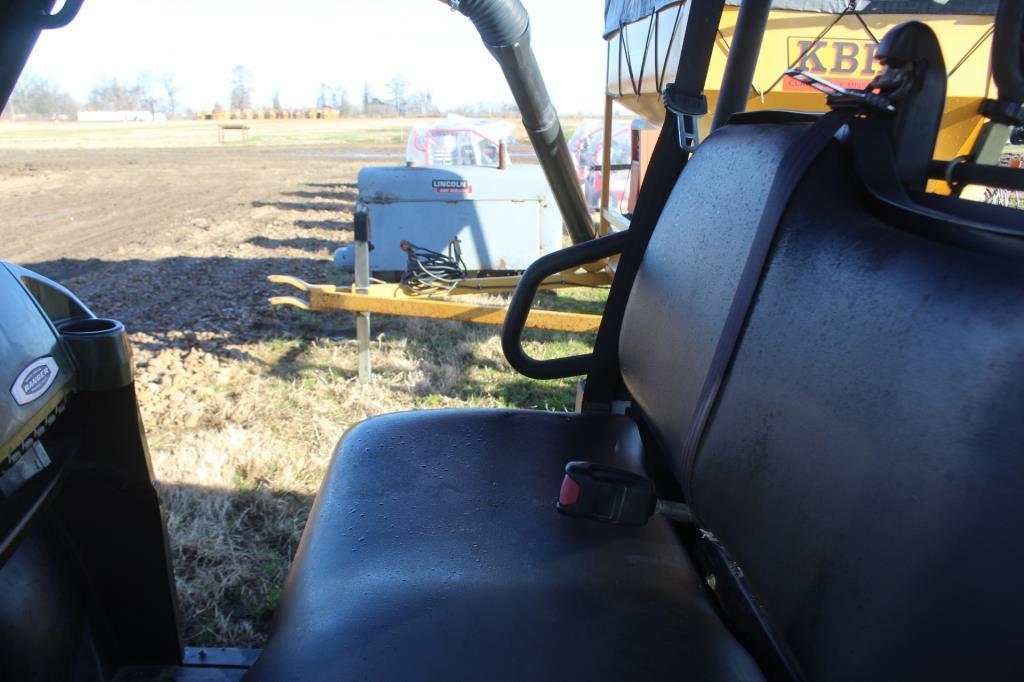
(498, 218)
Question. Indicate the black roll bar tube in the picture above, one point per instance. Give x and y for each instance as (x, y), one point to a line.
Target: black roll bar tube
(738, 78)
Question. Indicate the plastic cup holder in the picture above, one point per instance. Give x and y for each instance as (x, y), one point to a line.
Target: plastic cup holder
(101, 351)
(90, 326)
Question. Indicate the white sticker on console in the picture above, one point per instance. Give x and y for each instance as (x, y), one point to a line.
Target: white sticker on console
(34, 380)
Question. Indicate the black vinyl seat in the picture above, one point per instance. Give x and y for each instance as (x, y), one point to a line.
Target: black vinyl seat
(434, 551)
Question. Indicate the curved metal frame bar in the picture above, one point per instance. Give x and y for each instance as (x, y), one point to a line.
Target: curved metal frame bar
(522, 301)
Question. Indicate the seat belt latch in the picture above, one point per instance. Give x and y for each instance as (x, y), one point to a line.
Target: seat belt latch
(688, 110)
(609, 495)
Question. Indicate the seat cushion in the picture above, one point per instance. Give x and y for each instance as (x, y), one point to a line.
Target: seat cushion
(434, 550)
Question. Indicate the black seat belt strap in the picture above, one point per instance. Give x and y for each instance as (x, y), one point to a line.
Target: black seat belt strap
(797, 159)
(683, 99)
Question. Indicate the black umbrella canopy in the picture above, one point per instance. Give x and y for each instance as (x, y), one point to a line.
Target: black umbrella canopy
(620, 12)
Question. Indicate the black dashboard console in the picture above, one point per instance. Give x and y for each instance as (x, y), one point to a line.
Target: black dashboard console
(83, 544)
(37, 371)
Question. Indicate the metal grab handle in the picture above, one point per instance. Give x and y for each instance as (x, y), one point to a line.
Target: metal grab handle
(64, 16)
(522, 301)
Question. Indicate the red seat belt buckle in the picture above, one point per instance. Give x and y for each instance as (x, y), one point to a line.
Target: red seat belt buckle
(603, 493)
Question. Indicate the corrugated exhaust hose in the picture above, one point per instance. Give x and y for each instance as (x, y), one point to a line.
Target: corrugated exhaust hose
(504, 27)
(500, 22)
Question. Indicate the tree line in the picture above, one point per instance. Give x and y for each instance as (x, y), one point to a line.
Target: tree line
(38, 98)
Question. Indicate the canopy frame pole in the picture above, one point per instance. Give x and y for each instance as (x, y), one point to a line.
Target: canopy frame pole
(738, 79)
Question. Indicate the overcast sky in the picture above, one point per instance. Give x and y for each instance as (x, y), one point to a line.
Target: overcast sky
(295, 46)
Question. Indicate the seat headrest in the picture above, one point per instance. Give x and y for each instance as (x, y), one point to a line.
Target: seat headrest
(913, 59)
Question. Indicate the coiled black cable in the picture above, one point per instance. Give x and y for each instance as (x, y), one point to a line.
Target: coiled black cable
(431, 273)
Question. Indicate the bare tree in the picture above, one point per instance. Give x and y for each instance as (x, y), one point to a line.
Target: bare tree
(36, 97)
(322, 100)
(422, 104)
(396, 89)
(340, 101)
(241, 88)
(146, 83)
(339, 96)
(111, 94)
(170, 85)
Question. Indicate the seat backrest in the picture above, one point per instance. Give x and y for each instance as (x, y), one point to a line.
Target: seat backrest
(864, 462)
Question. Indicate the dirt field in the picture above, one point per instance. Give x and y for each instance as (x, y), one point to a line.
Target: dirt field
(242, 403)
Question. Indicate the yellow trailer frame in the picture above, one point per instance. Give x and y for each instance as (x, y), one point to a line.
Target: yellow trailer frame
(392, 299)
(365, 297)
